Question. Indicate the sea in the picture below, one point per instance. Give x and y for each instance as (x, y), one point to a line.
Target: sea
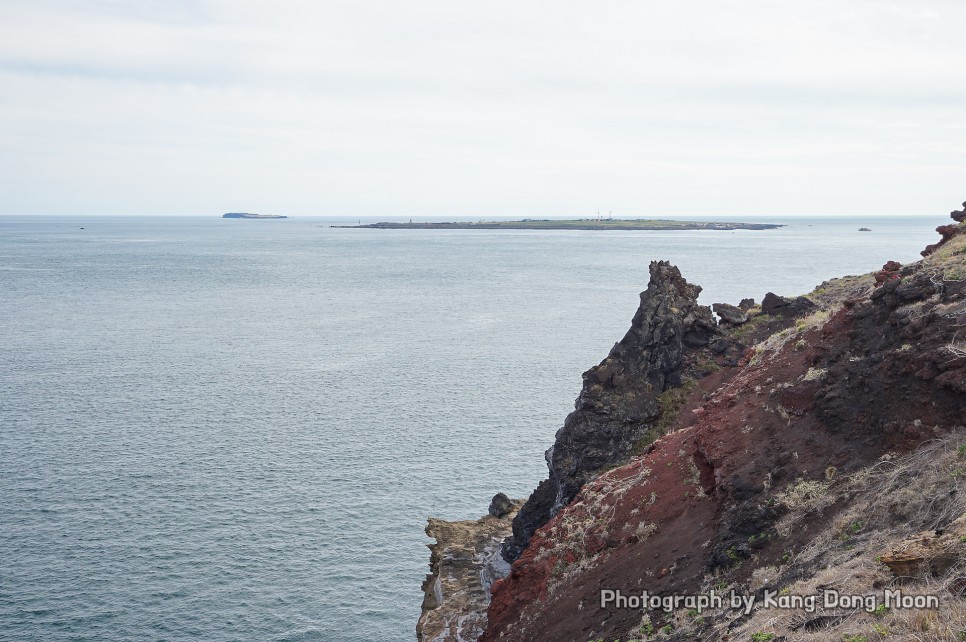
(235, 429)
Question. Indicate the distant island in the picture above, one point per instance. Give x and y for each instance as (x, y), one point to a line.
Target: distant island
(572, 224)
(247, 215)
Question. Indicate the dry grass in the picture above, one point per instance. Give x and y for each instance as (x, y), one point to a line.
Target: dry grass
(950, 259)
(592, 513)
(865, 515)
(804, 495)
(777, 341)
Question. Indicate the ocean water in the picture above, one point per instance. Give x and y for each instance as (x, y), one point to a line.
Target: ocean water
(235, 430)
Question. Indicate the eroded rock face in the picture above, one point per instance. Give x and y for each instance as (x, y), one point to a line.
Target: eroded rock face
(618, 404)
(465, 561)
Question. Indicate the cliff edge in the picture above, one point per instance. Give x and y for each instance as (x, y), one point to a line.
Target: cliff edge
(801, 447)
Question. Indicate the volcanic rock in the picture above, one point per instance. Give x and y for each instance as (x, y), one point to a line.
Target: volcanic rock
(775, 305)
(958, 215)
(618, 403)
(729, 313)
(889, 271)
(501, 505)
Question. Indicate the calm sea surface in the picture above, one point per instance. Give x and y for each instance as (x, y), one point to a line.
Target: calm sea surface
(235, 430)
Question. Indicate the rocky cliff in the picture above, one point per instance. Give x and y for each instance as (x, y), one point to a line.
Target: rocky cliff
(799, 447)
(625, 398)
(464, 563)
(832, 447)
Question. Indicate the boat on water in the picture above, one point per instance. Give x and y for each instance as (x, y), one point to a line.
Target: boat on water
(248, 215)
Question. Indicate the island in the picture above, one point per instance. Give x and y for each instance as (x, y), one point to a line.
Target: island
(571, 224)
(247, 215)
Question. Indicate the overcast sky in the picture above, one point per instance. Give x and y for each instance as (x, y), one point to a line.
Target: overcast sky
(435, 108)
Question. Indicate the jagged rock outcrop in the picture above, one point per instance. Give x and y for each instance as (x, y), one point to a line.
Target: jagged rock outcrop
(619, 403)
(835, 437)
(464, 563)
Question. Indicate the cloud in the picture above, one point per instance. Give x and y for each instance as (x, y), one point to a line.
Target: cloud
(516, 108)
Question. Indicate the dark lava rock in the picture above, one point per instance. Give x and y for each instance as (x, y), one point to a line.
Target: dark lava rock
(885, 293)
(500, 505)
(775, 305)
(916, 288)
(618, 403)
(746, 304)
(728, 351)
(959, 215)
(729, 313)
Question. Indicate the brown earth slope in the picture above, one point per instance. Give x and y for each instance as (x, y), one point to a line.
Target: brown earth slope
(828, 444)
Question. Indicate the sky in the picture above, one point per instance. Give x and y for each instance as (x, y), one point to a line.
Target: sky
(522, 108)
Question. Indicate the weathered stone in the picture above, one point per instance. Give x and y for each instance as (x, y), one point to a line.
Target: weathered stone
(746, 304)
(916, 288)
(889, 271)
(501, 505)
(729, 313)
(775, 305)
(932, 552)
